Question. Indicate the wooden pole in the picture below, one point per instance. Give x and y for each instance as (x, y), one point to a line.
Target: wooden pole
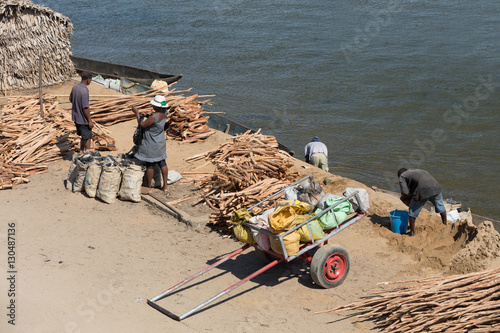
(40, 85)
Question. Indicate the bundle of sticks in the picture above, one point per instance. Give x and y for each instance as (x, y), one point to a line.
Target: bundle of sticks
(185, 120)
(28, 141)
(459, 303)
(230, 202)
(249, 168)
(11, 175)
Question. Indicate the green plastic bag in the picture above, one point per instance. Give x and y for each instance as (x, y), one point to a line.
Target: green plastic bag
(327, 220)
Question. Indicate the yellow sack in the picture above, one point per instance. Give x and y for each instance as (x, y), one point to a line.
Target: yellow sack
(291, 242)
(243, 234)
(300, 207)
(240, 215)
(282, 219)
(281, 203)
(316, 229)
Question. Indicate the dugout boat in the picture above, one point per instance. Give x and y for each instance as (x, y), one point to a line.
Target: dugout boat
(116, 71)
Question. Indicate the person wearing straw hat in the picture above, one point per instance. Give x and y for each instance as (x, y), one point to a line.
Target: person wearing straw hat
(80, 110)
(418, 187)
(316, 153)
(153, 148)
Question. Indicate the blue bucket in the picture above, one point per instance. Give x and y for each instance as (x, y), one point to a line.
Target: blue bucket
(399, 221)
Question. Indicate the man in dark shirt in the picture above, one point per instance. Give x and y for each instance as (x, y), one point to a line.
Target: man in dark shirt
(80, 111)
(418, 187)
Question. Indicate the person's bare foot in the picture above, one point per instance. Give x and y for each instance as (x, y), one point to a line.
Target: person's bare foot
(411, 233)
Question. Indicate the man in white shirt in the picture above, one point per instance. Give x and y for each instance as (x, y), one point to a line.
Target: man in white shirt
(316, 153)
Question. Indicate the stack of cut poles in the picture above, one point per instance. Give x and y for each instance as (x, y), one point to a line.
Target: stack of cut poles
(28, 141)
(461, 303)
(249, 168)
(185, 121)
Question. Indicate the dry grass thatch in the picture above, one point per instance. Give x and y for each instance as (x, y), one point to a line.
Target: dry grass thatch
(26, 32)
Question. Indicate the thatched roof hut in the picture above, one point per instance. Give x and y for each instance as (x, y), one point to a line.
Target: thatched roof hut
(26, 32)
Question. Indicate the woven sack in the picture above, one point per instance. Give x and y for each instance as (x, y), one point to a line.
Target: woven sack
(130, 188)
(109, 183)
(291, 242)
(316, 229)
(92, 178)
(282, 219)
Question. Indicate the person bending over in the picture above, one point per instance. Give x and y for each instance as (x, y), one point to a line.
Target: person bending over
(418, 187)
(316, 153)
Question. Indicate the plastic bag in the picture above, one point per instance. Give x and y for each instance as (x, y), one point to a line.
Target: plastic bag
(322, 202)
(138, 133)
(363, 197)
(328, 220)
(261, 238)
(157, 181)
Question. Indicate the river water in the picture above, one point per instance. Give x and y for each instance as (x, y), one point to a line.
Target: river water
(384, 84)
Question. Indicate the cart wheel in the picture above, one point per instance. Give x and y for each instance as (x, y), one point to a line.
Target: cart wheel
(330, 266)
(264, 256)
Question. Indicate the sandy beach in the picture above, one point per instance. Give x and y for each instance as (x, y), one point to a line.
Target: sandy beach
(87, 266)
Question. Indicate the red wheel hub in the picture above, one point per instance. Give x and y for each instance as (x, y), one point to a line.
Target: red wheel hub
(335, 267)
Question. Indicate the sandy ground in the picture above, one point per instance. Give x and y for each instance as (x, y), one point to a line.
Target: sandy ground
(86, 266)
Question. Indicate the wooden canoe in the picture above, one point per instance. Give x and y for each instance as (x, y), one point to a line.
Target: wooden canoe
(116, 71)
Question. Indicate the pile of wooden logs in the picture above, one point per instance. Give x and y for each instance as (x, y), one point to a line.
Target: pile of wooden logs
(17, 174)
(249, 168)
(28, 141)
(186, 120)
(460, 303)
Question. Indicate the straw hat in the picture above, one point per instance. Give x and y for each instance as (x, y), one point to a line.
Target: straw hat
(159, 101)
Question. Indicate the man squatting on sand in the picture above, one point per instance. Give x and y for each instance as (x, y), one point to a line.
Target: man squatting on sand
(418, 187)
(80, 110)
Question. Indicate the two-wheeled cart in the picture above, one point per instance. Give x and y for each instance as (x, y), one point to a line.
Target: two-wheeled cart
(329, 266)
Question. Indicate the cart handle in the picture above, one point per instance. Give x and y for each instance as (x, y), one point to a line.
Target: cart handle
(152, 303)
